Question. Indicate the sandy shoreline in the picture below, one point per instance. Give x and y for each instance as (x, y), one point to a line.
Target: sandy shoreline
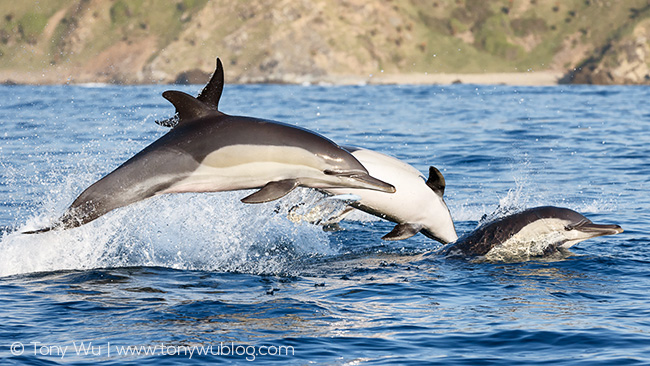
(539, 78)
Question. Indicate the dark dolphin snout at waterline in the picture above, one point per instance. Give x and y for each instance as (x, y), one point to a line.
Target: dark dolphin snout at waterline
(209, 151)
(533, 232)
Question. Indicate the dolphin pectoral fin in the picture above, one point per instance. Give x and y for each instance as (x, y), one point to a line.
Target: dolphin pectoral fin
(272, 191)
(403, 231)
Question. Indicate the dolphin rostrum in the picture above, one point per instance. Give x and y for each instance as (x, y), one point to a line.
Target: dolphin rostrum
(417, 206)
(534, 232)
(209, 151)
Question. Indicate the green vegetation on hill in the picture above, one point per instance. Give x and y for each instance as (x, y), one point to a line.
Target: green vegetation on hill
(155, 40)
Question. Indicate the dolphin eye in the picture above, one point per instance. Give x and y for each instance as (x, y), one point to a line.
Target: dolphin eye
(568, 228)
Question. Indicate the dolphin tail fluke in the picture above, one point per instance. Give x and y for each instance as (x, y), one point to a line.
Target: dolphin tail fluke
(272, 191)
(332, 228)
(58, 225)
(211, 93)
(71, 219)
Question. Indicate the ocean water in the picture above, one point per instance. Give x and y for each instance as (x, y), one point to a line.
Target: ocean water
(203, 278)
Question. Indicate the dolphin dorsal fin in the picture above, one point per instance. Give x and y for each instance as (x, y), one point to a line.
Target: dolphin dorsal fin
(436, 181)
(211, 93)
(187, 107)
(209, 96)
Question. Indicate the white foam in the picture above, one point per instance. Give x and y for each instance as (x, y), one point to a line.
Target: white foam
(213, 232)
(525, 194)
(92, 85)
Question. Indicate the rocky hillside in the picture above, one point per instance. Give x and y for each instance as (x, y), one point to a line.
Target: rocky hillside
(162, 41)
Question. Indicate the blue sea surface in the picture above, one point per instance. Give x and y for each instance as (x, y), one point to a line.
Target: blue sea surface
(204, 278)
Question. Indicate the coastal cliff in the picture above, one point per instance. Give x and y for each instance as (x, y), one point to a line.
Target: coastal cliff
(337, 41)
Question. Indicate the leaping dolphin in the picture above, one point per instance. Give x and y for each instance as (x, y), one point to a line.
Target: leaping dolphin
(416, 206)
(209, 151)
(534, 232)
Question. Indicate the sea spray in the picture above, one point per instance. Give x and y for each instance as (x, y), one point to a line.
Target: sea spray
(212, 232)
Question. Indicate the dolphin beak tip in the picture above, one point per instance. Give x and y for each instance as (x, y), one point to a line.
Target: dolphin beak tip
(600, 230)
(616, 229)
(373, 183)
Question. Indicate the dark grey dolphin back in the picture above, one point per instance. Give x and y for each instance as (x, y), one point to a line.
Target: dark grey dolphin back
(117, 189)
(486, 237)
(145, 174)
(198, 121)
(209, 98)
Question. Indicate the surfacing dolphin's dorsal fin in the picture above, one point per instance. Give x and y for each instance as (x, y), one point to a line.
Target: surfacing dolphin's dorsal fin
(209, 95)
(436, 181)
(188, 108)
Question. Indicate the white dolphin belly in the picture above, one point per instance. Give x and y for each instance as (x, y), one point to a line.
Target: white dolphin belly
(405, 205)
(531, 241)
(414, 206)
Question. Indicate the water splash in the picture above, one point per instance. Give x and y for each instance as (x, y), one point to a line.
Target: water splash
(212, 232)
(526, 193)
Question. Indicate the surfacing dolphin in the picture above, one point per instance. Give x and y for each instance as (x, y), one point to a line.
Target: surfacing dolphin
(534, 232)
(417, 204)
(209, 151)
